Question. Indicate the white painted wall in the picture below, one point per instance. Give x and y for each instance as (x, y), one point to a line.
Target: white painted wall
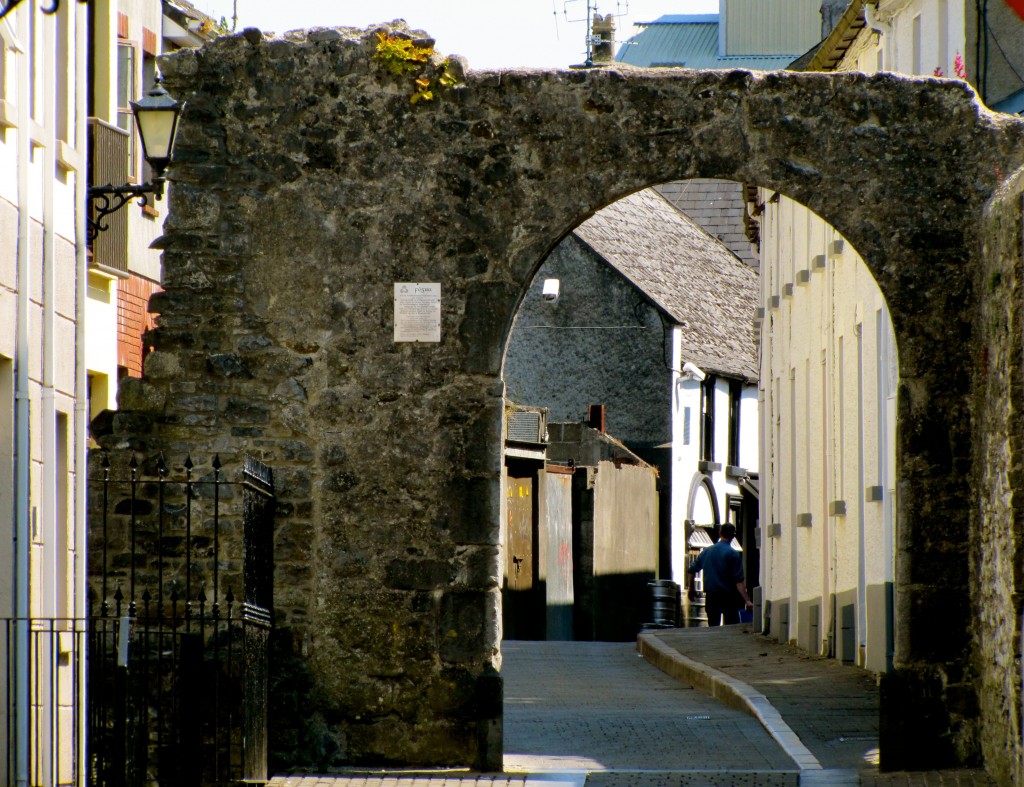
(691, 499)
(42, 159)
(828, 420)
(829, 369)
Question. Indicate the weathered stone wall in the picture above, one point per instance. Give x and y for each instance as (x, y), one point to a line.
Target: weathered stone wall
(307, 183)
(997, 575)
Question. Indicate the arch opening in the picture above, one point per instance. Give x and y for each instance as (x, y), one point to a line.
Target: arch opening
(581, 352)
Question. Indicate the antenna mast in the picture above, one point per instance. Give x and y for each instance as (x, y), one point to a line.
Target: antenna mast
(593, 40)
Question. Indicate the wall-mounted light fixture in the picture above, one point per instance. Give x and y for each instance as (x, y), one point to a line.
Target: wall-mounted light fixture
(156, 117)
(691, 370)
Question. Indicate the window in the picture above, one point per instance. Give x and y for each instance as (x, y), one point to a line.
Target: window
(915, 45)
(149, 73)
(707, 424)
(735, 514)
(3, 65)
(63, 75)
(62, 538)
(735, 393)
(126, 93)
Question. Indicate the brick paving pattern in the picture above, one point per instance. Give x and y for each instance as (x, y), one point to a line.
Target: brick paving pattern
(364, 778)
(599, 706)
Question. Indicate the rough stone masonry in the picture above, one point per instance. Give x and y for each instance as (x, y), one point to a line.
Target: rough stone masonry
(309, 180)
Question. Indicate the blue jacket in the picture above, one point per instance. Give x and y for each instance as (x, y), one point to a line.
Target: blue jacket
(722, 566)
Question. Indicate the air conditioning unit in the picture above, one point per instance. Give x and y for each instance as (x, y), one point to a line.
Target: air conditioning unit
(527, 426)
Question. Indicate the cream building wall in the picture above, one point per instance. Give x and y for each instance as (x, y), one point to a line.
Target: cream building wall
(42, 372)
(829, 376)
(913, 37)
(827, 491)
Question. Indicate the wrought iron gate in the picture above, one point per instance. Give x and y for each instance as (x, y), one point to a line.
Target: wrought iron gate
(179, 618)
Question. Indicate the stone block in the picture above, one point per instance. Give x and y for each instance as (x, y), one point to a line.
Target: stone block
(136, 394)
(483, 328)
(226, 365)
(474, 510)
(419, 574)
(479, 568)
(462, 625)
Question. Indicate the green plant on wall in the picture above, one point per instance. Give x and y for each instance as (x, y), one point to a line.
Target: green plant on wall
(403, 57)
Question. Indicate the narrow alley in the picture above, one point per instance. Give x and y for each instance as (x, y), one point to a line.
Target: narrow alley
(573, 707)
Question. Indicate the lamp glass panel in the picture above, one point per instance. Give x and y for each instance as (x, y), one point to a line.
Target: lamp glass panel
(156, 127)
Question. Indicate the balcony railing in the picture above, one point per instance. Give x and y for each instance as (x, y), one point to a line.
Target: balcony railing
(109, 148)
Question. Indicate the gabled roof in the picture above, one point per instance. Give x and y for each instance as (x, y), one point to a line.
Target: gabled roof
(827, 55)
(718, 206)
(689, 41)
(695, 280)
(186, 25)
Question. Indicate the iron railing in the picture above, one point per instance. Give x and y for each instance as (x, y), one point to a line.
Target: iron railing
(177, 670)
(177, 661)
(164, 682)
(50, 697)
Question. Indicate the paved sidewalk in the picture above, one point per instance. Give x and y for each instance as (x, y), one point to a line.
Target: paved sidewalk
(824, 714)
(595, 715)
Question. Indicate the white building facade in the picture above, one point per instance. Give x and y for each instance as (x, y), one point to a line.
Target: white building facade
(714, 452)
(828, 499)
(829, 375)
(42, 389)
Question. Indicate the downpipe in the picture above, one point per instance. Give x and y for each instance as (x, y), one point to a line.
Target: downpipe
(49, 580)
(884, 29)
(22, 412)
(81, 385)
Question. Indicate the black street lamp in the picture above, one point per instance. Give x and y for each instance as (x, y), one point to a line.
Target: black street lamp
(156, 117)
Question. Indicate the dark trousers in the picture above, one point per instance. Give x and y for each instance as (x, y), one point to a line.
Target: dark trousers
(722, 606)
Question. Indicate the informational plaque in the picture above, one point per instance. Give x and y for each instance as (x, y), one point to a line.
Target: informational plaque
(417, 312)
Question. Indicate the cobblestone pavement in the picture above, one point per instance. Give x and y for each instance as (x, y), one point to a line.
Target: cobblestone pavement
(598, 706)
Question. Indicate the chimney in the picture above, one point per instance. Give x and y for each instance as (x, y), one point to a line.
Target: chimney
(831, 12)
(603, 38)
(595, 417)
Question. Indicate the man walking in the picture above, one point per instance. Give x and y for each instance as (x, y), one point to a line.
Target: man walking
(724, 589)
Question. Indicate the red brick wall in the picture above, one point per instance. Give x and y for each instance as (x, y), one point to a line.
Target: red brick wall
(132, 320)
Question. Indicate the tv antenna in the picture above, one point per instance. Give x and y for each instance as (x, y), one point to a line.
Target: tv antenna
(593, 40)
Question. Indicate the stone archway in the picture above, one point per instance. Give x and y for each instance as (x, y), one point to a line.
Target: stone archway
(307, 184)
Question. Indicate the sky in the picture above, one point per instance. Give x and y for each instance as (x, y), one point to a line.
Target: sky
(490, 34)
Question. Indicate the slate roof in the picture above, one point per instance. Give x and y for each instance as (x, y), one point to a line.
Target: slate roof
(1013, 104)
(689, 275)
(689, 41)
(717, 206)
